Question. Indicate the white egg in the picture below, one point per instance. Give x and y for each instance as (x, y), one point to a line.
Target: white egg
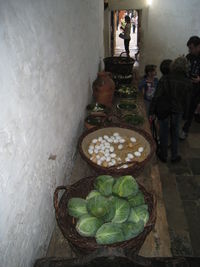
(122, 141)
(96, 151)
(133, 139)
(130, 156)
(113, 161)
(106, 137)
(125, 166)
(112, 137)
(103, 158)
(108, 159)
(90, 151)
(112, 149)
(110, 164)
(110, 140)
(100, 139)
(107, 150)
(107, 154)
(99, 162)
(137, 154)
(116, 134)
(116, 141)
(113, 155)
(98, 157)
(91, 147)
(120, 147)
(107, 145)
(94, 141)
(141, 149)
(127, 159)
(103, 142)
(97, 147)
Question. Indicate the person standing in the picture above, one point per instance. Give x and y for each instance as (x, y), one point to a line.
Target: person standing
(194, 74)
(127, 36)
(148, 85)
(170, 102)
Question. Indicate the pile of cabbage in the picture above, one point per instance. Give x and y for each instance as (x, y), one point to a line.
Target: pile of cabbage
(114, 211)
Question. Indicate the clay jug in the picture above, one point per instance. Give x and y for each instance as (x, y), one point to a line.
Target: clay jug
(103, 88)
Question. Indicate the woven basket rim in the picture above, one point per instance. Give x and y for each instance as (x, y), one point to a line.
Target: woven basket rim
(136, 168)
(83, 242)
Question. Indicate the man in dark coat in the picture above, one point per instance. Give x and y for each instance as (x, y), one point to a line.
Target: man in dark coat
(171, 101)
(194, 74)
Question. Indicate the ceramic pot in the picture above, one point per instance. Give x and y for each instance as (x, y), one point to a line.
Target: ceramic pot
(103, 89)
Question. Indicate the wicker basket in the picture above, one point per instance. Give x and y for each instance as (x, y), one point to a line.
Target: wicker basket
(119, 65)
(134, 168)
(83, 245)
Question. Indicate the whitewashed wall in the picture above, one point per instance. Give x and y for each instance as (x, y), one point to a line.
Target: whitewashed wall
(167, 26)
(49, 56)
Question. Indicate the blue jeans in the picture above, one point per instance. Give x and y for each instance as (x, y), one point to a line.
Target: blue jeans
(171, 123)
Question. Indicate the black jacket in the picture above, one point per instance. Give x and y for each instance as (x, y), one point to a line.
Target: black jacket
(175, 89)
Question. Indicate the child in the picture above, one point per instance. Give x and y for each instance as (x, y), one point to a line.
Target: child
(148, 85)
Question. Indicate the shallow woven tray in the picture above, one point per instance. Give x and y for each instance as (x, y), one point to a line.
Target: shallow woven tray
(141, 135)
(83, 245)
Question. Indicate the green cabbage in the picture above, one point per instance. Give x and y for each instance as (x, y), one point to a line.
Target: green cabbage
(109, 233)
(122, 210)
(104, 184)
(88, 225)
(131, 229)
(98, 206)
(139, 213)
(136, 200)
(77, 207)
(125, 186)
(93, 193)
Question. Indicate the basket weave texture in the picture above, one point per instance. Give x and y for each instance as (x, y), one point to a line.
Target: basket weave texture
(119, 65)
(82, 245)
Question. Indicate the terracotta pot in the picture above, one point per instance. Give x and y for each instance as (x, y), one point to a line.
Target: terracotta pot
(103, 88)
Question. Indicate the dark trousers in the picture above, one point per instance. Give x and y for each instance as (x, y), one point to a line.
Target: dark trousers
(134, 28)
(171, 123)
(126, 45)
(193, 105)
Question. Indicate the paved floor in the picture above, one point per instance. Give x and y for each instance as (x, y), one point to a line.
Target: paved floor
(120, 44)
(181, 189)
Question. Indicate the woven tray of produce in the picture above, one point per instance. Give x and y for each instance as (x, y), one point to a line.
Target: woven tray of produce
(117, 149)
(104, 211)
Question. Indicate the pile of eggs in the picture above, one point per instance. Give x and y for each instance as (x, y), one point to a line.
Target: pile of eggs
(104, 151)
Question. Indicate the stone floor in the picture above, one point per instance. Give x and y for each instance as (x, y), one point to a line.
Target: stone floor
(181, 189)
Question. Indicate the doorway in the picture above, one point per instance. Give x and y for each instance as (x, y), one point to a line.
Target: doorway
(117, 21)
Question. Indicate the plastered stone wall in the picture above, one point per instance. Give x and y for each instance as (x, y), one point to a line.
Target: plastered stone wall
(167, 26)
(50, 52)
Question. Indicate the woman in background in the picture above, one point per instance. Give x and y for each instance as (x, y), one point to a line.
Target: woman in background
(127, 36)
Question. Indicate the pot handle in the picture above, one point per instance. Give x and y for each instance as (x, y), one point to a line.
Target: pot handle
(55, 198)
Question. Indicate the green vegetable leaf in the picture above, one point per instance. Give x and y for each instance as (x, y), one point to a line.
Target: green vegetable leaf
(104, 184)
(109, 233)
(125, 186)
(77, 207)
(88, 225)
(122, 210)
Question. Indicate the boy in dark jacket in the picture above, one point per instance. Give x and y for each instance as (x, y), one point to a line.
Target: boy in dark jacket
(170, 102)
